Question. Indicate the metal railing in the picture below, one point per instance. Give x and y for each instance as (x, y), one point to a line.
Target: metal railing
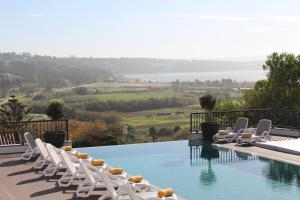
(12, 132)
(289, 119)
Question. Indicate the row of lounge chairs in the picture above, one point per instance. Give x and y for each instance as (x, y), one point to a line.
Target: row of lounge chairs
(93, 174)
(241, 134)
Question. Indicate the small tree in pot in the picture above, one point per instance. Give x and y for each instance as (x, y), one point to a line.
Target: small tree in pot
(209, 127)
(55, 112)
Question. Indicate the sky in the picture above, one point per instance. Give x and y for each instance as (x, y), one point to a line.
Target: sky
(178, 29)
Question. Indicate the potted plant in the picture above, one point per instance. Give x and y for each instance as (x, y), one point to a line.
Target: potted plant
(55, 112)
(209, 127)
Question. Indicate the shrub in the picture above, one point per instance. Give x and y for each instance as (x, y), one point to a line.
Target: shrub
(176, 129)
(165, 132)
(55, 110)
(152, 133)
(207, 102)
(77, 129)
(94, 134)
(97, 140)
(81, 90)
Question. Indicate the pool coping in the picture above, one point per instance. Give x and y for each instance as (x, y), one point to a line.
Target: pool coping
(262, 152)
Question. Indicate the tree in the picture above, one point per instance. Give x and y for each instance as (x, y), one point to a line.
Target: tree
(131, 131)
(208, 103)
(281, 89)
(177, 129)
(13, 110)
(152, 133)
(55, 110)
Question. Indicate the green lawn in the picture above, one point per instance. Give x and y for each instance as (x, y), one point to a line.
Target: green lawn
(144, 119)
(124, 96)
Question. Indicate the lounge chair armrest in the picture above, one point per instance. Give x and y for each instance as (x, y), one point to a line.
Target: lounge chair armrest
(228, 128)
(240, 131)
(266, 134)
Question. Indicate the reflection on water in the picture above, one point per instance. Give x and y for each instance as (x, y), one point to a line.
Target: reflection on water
(205, 154)
(208, 152)
(282, 172)
(204, 172)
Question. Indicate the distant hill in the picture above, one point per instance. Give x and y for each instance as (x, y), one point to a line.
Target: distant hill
(148, 65)
(47, 71)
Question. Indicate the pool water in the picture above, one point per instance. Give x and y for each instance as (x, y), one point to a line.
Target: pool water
(202, 171)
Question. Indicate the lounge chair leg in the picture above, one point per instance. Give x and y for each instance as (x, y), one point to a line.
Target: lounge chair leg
(27, 155)
(84, 189)
(66, 180)
(50, 170)
(39, 163)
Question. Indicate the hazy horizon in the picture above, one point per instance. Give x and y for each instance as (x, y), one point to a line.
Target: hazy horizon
(229, 59)
(169, 29)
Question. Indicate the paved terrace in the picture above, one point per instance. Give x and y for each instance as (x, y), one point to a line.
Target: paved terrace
(266, 153)
(19, 181)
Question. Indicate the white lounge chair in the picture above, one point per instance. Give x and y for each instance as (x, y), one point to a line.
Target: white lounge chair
(55, 161)
(110, 188)
(239, 126)
(262, 131)
(91, 181)
(73, 171)
(121, 192)
(145, 195)
(43, 159)
(31, 150)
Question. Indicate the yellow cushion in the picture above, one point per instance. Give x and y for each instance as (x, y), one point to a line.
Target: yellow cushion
(82, 155)
(165, 192)
(246, 135)
(115, 171)
(96, 162)
(67, 148)
(135, 179)
(223, 132)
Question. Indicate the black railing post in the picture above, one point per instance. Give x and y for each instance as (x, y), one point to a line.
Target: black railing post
(67, 129)
(191, 123)
(298, 120)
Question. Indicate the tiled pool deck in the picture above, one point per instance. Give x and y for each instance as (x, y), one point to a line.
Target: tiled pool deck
(266, 153)
(19, 181)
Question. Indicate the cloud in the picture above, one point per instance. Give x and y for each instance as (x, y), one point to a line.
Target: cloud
(287, 18)
(205, 17)
(35, 15)
(273, 30)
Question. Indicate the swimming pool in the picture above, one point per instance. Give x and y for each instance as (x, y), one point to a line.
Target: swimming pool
(203, 171)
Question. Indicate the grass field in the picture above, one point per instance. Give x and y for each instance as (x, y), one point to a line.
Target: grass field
(143, 120)
(124, 96)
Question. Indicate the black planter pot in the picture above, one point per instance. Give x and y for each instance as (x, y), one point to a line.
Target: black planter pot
(209, 129)
(56, 139)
